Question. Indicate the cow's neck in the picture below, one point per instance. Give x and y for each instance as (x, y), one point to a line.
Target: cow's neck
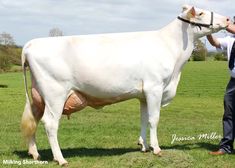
(181, 43)
(181, 38)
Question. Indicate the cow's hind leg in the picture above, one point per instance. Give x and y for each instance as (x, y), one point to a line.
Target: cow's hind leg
(52, 114)
(144, 123)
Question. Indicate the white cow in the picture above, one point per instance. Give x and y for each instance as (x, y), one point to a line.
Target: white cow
(70, 73)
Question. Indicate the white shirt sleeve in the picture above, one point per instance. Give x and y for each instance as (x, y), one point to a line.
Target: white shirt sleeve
(224, 42)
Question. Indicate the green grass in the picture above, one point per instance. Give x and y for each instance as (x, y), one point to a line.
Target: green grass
(108, 137)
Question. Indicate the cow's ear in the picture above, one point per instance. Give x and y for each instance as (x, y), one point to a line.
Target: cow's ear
(191, 13)
(185, 7)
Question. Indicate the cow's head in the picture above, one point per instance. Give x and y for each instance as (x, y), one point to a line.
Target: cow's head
(203, 22)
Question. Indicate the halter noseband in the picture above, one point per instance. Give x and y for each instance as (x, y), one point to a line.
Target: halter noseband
(199, 24)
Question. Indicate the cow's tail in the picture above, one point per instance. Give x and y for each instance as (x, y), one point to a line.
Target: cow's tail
(28, 121)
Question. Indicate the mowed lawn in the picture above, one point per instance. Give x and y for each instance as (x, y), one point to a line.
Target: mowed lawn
(108, 137)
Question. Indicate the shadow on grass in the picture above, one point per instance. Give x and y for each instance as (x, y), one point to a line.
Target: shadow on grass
(190, 146)
(3, 86)
(46, 154)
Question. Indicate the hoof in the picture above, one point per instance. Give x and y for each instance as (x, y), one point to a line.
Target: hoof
(143, 148)
(145, 151)
(35, 156)
(156, 151)
(62, 163)
(65, 164)
(159, 154)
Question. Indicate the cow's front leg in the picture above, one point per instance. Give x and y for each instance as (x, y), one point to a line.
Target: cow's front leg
(153, 98)
(144, 123)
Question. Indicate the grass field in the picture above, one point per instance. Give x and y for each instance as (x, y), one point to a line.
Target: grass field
(107, 138)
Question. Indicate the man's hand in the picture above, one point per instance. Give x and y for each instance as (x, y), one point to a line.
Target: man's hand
(231, 27)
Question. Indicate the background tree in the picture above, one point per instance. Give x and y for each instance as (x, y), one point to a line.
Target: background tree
(200, 51)
(4, 63)
(220, 56)
(6, 39)
(55, 32)
(10, 53)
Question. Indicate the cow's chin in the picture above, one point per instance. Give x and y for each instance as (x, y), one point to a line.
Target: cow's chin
(203, 32)
(219, 27)
(207, 31)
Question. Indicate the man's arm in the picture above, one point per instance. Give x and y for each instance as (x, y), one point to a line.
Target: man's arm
(213, 41)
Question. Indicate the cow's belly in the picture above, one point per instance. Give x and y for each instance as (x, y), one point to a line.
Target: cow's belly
(76, 101)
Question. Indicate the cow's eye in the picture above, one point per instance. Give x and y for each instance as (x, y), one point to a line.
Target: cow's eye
(200, 14)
